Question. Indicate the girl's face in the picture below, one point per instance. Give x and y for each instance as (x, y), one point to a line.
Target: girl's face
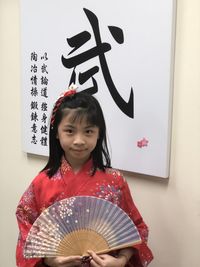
(78, 139)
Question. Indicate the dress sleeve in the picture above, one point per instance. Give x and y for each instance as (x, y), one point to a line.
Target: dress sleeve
(143, 255)
(26, 213)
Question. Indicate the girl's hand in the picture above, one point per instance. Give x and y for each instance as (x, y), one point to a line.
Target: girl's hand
(105, 260)
(70, 261)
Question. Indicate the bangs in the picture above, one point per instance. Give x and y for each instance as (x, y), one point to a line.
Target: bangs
(81, 114)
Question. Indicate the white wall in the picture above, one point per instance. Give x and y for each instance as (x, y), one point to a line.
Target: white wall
(170, 207)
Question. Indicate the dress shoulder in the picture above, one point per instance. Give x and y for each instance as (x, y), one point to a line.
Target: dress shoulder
(40, 177)
(116, 173)
(113, 171)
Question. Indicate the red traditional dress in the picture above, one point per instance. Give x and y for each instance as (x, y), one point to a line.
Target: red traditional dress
(44, 191)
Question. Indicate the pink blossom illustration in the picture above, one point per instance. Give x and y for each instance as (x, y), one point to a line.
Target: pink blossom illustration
(142, 143)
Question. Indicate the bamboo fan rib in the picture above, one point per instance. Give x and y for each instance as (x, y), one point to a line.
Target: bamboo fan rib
(77, 224)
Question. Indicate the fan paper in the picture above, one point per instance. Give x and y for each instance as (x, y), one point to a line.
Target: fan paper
(75, 225)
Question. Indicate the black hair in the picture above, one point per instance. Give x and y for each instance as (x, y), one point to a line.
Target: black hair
(85, 106)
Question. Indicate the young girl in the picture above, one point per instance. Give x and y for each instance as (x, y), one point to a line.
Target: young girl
(79, 164)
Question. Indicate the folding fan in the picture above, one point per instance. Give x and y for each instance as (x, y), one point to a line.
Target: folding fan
(77, 224)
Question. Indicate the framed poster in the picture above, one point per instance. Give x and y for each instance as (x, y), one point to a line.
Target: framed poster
(122, 52)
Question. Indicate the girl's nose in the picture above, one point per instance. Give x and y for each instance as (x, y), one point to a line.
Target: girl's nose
(79, 139)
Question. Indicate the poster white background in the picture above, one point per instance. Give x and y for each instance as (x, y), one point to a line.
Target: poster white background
(144, 62)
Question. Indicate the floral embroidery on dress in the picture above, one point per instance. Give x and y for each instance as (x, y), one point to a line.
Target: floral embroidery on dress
(57, 176)
(26, 209)
(28, 196)
(114, 172)
(90, 171)
(109, 192)
(65, 166)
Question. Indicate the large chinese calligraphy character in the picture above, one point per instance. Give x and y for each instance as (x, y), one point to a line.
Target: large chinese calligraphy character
(97, 51)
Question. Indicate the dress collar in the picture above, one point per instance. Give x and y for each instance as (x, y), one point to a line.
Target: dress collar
(66, 167)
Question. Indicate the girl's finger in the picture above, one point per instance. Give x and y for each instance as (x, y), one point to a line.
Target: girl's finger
(96, 260)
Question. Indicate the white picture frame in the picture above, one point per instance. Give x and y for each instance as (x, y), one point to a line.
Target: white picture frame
(138, 37)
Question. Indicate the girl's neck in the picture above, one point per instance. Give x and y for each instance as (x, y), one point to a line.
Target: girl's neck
(76, 165)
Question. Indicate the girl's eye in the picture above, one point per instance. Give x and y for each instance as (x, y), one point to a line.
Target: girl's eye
(69, 131)
(89, 131)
